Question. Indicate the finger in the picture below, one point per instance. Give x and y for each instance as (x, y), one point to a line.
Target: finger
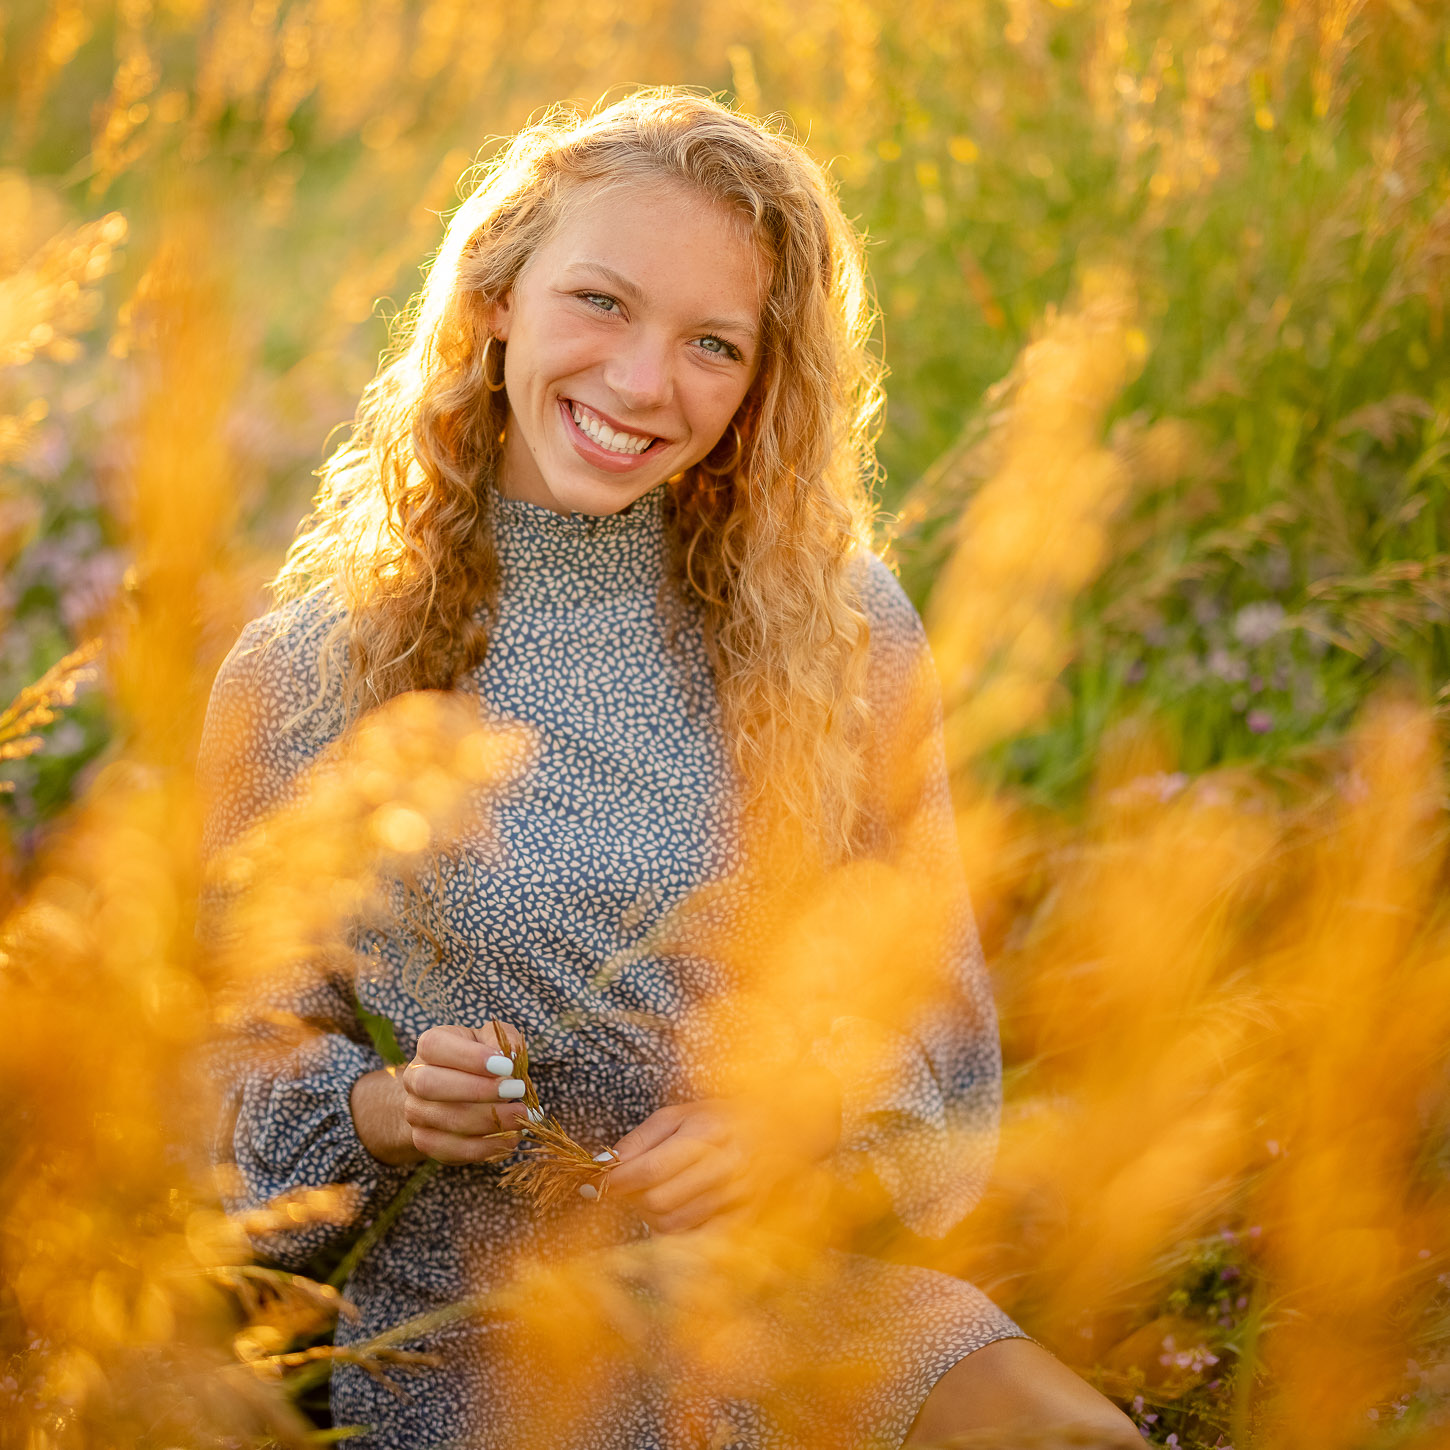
(703, 1209)
(650, 1133)
(448, 1044)
(456, 1148)
(450, 1085)
(711, 1173)
(465, 1048)
(659, 1164)
(471, 1120)
(512, 1039)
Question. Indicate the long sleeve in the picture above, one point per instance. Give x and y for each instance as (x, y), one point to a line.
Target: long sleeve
(286, 1121)
(927, 1118)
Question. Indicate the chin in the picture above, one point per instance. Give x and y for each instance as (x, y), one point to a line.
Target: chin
(599, 497)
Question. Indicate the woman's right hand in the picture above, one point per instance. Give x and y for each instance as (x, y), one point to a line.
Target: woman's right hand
(456, 1101)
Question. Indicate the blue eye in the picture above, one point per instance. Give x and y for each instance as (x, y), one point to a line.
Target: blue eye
(720, 347)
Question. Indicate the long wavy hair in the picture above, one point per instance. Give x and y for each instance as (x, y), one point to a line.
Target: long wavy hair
(401, 531)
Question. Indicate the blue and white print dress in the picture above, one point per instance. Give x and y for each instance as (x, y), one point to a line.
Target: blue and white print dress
(626, 809)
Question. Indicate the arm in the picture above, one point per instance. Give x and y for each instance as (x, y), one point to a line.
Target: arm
(924, 1118)
(911, 1088)
(308, 1101)
(286, 1121)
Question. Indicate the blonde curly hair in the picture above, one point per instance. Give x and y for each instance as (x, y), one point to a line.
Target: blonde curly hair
(401, 532)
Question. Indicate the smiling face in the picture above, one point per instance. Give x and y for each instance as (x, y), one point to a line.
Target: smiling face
(633, 335)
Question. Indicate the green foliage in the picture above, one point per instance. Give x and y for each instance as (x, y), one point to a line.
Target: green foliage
(384, 1037)
(1278, 195)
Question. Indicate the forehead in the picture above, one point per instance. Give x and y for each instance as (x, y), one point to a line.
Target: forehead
(673, 241)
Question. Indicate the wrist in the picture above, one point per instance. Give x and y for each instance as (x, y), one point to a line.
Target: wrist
(376, 1101)
(819, 1101)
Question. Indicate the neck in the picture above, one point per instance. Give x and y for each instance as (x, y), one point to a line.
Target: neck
(519, 477)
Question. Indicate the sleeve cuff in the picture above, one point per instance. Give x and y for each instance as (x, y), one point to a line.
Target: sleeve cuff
(296, 1132)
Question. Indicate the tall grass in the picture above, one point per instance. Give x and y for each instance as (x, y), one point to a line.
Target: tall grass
(1164, 301)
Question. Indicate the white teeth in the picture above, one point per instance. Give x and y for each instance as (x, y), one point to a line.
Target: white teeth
(605, 436)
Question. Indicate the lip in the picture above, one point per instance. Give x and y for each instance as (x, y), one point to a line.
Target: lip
(592, 453)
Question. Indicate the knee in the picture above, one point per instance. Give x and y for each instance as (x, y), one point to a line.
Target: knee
(1014, 1385)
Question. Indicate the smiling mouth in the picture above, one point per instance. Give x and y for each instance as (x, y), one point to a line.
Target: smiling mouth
(612, 440)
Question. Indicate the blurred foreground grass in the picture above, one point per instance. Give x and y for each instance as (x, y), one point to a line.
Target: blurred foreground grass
(1164, 297)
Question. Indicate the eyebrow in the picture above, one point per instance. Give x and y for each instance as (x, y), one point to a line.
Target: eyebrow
(632, 293)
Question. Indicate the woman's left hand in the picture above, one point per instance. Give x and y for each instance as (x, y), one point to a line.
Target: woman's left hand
(690, 1163)
(683, 1165)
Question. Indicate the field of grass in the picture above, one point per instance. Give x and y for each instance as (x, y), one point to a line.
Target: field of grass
(1166, 466)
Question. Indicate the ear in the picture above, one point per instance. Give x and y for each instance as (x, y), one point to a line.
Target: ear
(500, 315)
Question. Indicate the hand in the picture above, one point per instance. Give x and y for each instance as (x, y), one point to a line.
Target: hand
(455, 1102)
(683, 1166)
(691, 1163)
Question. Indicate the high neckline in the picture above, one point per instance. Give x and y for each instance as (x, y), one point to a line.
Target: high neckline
(541, 552)
(519, 516)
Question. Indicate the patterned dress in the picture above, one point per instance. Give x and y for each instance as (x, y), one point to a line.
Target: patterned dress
(625, 810)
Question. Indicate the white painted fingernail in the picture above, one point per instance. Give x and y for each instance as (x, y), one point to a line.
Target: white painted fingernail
(605, 1157)
(499, 1065)
(512, 1087)
(533, 1115)
(588, 1190)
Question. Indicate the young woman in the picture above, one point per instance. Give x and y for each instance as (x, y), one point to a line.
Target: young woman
(615, 487)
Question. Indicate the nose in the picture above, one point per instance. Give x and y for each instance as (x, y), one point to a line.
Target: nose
(640, 371)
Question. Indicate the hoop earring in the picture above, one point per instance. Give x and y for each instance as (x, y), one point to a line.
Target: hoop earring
(493, 387)
(724, 468)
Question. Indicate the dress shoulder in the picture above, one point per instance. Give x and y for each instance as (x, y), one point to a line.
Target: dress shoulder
(903, 693)
(273, 708)
(278, 655)
(895, 623)
(900, 664)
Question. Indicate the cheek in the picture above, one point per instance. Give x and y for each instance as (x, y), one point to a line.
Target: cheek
(561, 345)
(542, 352)
(718, 404)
